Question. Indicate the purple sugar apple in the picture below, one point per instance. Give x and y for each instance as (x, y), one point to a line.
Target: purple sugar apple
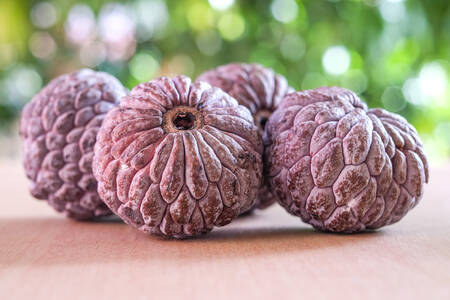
(259, 89)
(339, 166)
(59, 128)
(177, 158)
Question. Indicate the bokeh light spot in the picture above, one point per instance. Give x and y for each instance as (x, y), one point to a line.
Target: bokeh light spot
(43, 15)
(80, 25)
(412, 92)
(200, 16)
(284, 10)
(152, 16)
(433, 82)
(117, 30)
(392, 11)
(42, 45)
(231, 26)
(393, 99)
(336, 60)
(116, 23)
(221, 4)
(144, 66)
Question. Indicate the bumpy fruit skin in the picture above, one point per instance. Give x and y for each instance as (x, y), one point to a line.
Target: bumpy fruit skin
(340, 166)
(59, 128)
(259, 89)
(176, 158)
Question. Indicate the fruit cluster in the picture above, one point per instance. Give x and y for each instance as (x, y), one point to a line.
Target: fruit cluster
(176, 158)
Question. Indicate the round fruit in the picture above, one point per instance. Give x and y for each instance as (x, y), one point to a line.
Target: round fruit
(340, 166)
(259, 89)
(177, 158)
(59, 128)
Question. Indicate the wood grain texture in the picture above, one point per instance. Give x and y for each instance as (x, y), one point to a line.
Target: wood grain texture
(267, 255)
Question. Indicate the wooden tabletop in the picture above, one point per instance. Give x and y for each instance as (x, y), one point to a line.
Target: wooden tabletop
(267, 255)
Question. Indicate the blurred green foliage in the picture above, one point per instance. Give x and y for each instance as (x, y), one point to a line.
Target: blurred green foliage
(395, 54)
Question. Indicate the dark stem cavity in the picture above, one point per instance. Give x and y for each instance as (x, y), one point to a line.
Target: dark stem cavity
(262, 122)
(184, 121)
(182, 118)
(261, 118)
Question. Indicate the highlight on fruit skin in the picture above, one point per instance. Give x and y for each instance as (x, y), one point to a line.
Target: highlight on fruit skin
(340, 166)
(59, 128)
(259, 89)
(177, 158)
